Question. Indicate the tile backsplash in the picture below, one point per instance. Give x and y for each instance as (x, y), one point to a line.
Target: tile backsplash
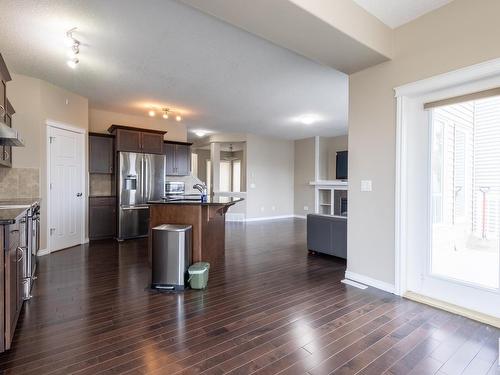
(101, 185)
(19, 183)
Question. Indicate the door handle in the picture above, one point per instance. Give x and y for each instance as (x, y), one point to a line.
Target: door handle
(79, 194)
(135, 208)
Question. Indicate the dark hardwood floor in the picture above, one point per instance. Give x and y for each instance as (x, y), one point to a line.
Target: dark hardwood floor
(270, 308)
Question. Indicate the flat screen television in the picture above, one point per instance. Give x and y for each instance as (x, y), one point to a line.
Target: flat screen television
(341, 166)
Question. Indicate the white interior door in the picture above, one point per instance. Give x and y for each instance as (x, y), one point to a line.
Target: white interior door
(66, 188)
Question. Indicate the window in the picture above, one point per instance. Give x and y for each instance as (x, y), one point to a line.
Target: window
(209, 177)
(236, 175)
(466, 191)
(225, 176)
(194, 164)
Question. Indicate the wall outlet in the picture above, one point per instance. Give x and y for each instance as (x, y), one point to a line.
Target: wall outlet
(306, 208)
(366, 185)
(273, 208)
(262, 209)
(252, 185)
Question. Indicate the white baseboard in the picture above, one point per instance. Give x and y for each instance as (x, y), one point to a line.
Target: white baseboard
(370, 282)
(42, 252)
(235, 217)
(353, 283)
(241, 217)
(270, 218)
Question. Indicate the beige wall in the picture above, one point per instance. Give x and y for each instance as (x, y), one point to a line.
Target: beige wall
(270, 167)
(101, 120)
(459, 34)
(203, 156)
(35, 102)
(303, 174)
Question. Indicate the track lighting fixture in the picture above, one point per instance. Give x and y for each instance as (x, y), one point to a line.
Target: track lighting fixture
(74, 45)
(165, 113)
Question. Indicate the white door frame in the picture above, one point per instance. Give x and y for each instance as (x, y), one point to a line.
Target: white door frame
(474, 78)
(60, 125)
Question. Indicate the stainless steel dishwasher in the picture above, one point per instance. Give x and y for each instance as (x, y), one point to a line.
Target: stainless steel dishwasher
(171, 256)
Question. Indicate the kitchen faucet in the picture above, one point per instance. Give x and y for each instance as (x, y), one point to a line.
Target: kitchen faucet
(202, 188)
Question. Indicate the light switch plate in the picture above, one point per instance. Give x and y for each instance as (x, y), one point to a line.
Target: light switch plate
(366, 185)
(252, 186)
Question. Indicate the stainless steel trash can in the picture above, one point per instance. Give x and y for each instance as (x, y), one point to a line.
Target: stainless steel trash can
(171, 256)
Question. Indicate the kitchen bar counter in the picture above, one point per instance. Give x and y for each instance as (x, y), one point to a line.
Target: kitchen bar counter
(207, 219)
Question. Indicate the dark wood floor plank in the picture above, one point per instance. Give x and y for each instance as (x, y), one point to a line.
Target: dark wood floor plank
(412, 360)
(459, 361)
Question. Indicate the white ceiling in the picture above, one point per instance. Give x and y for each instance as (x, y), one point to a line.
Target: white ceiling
(163, 52)
(395, 13)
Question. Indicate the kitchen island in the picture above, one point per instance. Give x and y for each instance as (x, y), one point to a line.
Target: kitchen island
(207, 219)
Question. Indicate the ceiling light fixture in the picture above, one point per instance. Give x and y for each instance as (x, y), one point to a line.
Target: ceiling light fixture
(74, 44)
(200, 133)
(308, 119)
(165, 112)
(72, 63)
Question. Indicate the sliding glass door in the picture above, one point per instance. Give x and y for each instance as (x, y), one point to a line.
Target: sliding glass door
(465, 180)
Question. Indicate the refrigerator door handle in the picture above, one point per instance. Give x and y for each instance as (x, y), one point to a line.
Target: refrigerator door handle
(142, 178)
(134, 208)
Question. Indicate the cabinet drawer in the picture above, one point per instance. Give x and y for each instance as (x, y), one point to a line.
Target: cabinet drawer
(102, 201)
(12, 236)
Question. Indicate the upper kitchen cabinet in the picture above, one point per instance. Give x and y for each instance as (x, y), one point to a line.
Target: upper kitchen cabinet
(101, 153)
(6, 112)
(178, 158)
(6, 157)
(137, 140)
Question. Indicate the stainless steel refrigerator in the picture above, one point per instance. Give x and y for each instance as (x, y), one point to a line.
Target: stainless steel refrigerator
(141, 179)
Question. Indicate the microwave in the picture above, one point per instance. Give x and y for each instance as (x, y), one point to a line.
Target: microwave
(174, 187)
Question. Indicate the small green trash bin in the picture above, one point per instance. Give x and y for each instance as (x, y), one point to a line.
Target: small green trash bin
(198, 275)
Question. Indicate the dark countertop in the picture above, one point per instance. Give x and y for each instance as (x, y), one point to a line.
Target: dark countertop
(9, 215)
(211, 201)
(19, 201)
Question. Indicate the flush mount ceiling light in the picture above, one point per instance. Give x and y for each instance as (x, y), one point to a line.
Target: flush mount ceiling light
(165, 113)
(74, 46)
(200, 133)
(308, 119)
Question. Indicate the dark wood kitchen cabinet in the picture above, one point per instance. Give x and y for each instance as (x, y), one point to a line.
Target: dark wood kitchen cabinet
(101, 153)
(6, 112)
(13, 280)
(6, 159)
(132, 139)
(102, 217)
(178, 158)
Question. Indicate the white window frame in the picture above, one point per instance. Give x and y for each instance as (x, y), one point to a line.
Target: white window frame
(474, 78)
